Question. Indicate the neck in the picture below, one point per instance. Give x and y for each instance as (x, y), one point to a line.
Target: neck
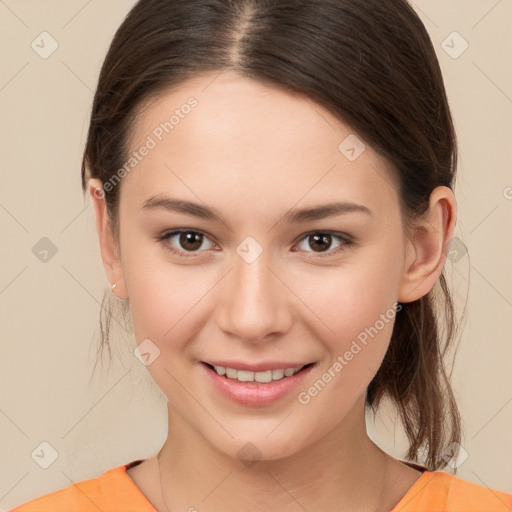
(344, 470)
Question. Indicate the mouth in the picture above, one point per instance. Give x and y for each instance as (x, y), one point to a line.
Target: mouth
(260, 377)
(265, 387)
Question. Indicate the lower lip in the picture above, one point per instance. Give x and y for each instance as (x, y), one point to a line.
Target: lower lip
(256, 393)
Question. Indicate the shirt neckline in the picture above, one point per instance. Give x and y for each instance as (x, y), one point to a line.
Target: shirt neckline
(132, 484)
(415, 488)
(412, 491)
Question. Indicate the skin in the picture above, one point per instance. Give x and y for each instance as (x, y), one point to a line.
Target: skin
(253, 153)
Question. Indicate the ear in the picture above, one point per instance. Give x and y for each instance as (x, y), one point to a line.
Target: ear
(109, 249)
(427, 251)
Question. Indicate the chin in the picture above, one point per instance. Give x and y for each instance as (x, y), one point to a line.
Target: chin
(258, 448)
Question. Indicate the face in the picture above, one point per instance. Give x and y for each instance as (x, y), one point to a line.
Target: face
(230, 256)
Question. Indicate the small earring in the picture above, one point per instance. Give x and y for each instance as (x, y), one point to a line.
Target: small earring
(114, 285)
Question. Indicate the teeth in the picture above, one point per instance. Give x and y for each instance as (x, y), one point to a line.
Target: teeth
(230, 373)
(247, 376)
(277, 374)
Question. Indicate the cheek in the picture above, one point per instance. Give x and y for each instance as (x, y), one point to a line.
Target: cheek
(360, 317)
(354, 310)
(349, 299)
(165, 299)
(168, 308)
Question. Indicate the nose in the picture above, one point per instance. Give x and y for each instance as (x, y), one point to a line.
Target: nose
(254, 302)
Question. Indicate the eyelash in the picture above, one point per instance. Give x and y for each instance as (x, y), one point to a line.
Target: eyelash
(346, 242)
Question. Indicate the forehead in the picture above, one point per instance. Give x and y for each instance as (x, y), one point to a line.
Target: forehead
(223, 134)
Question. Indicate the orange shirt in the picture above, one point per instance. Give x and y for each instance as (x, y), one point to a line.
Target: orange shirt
(115, 491)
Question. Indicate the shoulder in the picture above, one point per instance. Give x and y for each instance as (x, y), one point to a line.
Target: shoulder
(440, 491)
(112, 491)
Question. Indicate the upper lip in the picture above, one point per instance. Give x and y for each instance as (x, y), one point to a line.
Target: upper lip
(258, 367)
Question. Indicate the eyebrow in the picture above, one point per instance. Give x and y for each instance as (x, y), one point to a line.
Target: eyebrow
(293, 216)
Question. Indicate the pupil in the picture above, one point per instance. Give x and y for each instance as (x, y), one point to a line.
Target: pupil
(323, 241)
(190, 238)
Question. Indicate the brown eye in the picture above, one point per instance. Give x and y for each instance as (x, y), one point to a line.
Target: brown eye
(322, 243)
(185, 242)
(190, 241)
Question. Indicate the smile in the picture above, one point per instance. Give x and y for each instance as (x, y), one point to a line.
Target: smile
(262, 376)
(256, 388)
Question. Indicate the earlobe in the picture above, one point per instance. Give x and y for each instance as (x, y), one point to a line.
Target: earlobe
(428, 249)
(108, 248)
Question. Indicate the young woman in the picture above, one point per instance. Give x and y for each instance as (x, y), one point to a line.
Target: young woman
(272, 183)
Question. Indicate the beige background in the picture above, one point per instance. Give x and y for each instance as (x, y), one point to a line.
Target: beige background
(50, 310)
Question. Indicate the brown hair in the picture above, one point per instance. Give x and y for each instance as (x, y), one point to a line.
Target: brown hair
(373, 65)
